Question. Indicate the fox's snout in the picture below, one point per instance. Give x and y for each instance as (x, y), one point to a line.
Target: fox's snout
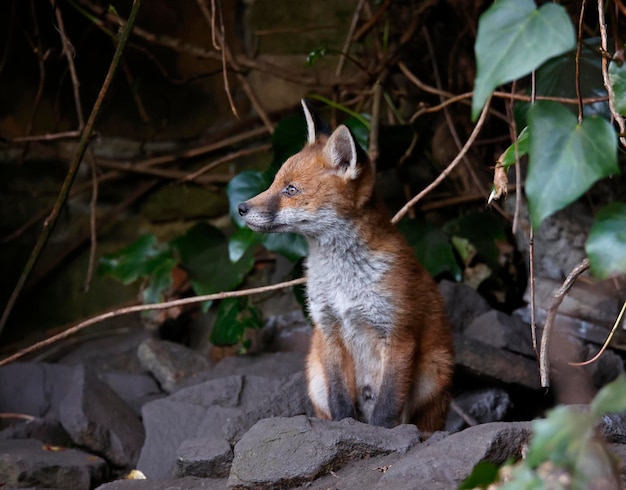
(243, 209)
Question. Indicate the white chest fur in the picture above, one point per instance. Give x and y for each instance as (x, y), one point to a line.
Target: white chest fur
(344, 285)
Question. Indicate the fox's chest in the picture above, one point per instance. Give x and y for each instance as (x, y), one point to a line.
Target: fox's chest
(346, 290)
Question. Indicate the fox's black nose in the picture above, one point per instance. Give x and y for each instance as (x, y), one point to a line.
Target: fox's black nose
(242, 208)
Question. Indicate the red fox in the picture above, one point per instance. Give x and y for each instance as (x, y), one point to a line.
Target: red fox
(381, 350)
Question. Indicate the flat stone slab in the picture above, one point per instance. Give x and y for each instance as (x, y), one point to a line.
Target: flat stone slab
(282, 452)
(187, 483)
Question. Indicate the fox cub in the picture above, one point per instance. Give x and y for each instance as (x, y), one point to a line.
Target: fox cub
(382, 349)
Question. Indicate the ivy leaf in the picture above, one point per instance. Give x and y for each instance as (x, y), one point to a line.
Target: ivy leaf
(610, 399)
(205, 257)
(160, 281)
(565, 158)
(513, 39)
(560, 437)
(234, 316)
(432, 248)
(315, 55)
(292, 246)
(508, 157)
(606, 244)
(617, 76)
(139, 259)
(241, 241)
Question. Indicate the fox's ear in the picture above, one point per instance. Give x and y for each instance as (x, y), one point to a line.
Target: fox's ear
(314, 125)
(341, 152)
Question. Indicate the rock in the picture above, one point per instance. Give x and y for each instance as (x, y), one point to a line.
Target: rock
(96, 418)
(287, 332)
(443, 465)
(187, 483)
(170, 363)
(613, 427)
(134, 389)
(222, 409)
(502, 331)
(483, 360)
(281, 452)
(27, 463)
(483, 406)
(273, 365)
(33, 388)
(209, 457)
(167, 423)
(463, 304)
(48, 431)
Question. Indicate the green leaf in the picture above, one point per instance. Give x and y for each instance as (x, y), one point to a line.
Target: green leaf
(522, 149)
(513, 39)
(606, 242)
(137, 260)
(314, 56)
(234, 316)
(242, 187)
(241, 241)
(482, 230)
(610, 399)
(565, 158)
(292, 246)
(160, 281)
(432, 248)
(205, 257)
(560, 437)
(617, 76)
(483, 474)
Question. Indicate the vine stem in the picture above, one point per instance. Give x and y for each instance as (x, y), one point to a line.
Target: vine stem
(153, 306)
(71, 174)
(605, 74)
(544, 363)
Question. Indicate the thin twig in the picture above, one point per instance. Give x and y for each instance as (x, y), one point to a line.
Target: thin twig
(448, 169)
(375, 124)
(67, 184)
(154, 306)
(544, 362)
(619, 119)
(348, 41)
(617, 323)
(510, 111)
(579, 50)
(227, 158)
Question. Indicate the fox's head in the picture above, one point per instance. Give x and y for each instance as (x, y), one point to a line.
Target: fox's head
(330, 179)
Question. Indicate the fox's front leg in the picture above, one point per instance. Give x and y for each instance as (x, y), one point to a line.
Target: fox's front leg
(330, 377)
(384, 380)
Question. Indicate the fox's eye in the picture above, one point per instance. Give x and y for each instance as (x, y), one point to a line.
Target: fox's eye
(291, 190)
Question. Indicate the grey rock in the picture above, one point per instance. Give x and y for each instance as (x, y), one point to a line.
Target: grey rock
(209, 457)
(503, 331)
(167, 423)
(263, 398)
(482, 360)
(26, 463)
(96, 418)
(463, 304)
(186, 483)
(613, 427)
(170, 363)
(33, 388)
(281, 452)
(483, 406)
(445, 464)
(134, 389)
(224, 408)
(49, 431)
